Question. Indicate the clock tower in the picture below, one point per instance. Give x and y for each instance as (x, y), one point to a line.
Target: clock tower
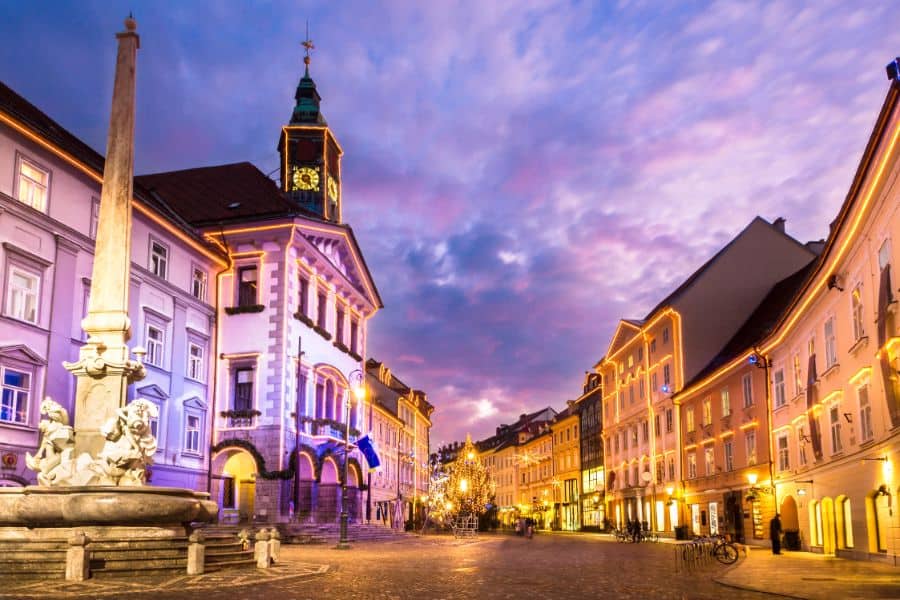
(310, 154)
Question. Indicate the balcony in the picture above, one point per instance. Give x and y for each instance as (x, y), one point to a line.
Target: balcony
(241, 418)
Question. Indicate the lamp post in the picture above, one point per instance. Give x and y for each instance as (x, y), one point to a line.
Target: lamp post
(357, 385)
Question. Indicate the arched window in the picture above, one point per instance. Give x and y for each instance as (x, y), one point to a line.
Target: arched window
(815, 523)
(846, 522)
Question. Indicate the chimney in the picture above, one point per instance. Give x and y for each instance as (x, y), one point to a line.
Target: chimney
(779, 224)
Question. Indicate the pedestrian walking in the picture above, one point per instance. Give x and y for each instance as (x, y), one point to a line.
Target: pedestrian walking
(775, 534)
(529, 527)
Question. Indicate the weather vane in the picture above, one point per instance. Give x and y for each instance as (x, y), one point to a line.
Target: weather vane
(308, 44)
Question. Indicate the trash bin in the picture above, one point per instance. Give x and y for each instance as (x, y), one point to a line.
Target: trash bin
(792, 539)
(681, 532)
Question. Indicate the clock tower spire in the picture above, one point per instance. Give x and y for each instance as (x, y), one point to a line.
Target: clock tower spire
(310, 154)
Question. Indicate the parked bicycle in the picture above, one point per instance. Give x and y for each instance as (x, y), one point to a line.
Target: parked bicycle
(620, 534)
(724, 550)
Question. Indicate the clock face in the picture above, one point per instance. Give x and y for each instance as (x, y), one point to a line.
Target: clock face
(332, 188)
(306, 178)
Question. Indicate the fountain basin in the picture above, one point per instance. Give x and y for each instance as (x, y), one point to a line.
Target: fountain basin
(38, 506)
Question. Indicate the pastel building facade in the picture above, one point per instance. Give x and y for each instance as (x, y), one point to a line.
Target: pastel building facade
(835, 359)
(49, 202)
(566, 456)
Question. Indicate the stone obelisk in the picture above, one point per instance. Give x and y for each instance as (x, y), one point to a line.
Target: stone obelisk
(104, 369)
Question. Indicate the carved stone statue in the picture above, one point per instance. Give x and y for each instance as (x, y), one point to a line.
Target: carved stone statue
(53, 460)
(123, 460)
(129, 446)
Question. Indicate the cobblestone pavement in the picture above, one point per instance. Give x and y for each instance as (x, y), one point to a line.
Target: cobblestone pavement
(815, 577)
(491, 567)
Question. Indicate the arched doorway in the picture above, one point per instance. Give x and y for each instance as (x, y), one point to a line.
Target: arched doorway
(328, 502)
(236, 484)
(307, 482)
(353, 496)
(829, 543)
(790, 523)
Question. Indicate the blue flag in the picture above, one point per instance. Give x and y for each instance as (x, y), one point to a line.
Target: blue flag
(367, 447)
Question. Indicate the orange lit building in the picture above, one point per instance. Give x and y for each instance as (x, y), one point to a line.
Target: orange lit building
(566, 459)
(649, 360)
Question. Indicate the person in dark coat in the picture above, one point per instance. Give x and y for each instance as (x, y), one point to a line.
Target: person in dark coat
(775, 534)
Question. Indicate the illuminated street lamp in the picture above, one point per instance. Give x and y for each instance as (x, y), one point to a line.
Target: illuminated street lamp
(357, 385)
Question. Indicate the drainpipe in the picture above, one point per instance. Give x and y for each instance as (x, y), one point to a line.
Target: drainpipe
(215, 371)
(767, 362)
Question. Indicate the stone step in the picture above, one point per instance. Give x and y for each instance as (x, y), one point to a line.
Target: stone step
(128, 572)
(225, 549)
(35, 555)
(31, 546)
(248, 563)
(137, 554)
(138, 566)
(23, 567)
(220, 557)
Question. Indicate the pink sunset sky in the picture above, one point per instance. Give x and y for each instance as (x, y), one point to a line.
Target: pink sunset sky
(520, 175)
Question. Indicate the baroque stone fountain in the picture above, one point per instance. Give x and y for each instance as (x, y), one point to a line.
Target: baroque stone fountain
(92, 475)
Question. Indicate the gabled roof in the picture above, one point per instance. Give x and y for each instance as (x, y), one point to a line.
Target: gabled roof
(687, 283)
(625, 331)
(761, 321)
(220, 194)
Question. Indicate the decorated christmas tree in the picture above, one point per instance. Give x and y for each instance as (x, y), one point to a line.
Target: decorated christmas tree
(468, 489)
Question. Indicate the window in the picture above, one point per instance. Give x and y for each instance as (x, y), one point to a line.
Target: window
(243, 389)
(692, 466)
(667, 379)
(666, 335)
(624, 440)
(154, 342)
(154, 422)
(631, 394)
(784, 458)
(830, 344)
(354, 335)
(195, 362)
(640, 353)
(339, 326)
(729, 455)
(616, 442)
(709, 460)
(656, 425)
(750, 444)
(653, 382)
(671, 469)
(780, 399)
(646, 430)
(653, 345)
(856, 309)
(660, 471)
(22, 292)
(14, 395)
(865, 413)
(641, 388)
(835, 417)
(689, 419)
(33, 182)
(192, 434)
(669, 420)
(844, 507)
(747, 385)
(198, 283)
(95, 217)
(159, 259)
(798, 375)
(630, 360)
(726, 402)
(320, 308)
(634, 436)
(247, 285)
(303, 296)
(884, 254)
(707, 411)
(621, 401)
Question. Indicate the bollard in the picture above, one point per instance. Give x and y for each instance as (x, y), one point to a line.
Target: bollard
(274, 545)
(78, 565)
(196, 559)
(261, 550)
